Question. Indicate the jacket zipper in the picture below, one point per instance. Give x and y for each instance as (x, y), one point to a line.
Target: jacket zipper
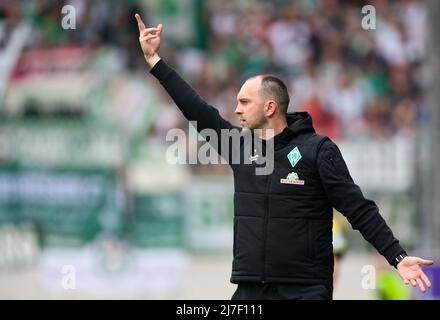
(266, 218)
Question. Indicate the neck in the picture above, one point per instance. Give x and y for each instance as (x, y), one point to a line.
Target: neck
(272, 128)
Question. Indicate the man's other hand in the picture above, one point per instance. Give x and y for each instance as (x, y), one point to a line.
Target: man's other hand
(410, 269)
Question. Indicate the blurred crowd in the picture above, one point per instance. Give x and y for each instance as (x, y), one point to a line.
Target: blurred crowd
(355, 82)
(97, 23)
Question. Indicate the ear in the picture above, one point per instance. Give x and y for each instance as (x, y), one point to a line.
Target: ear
(270, 107)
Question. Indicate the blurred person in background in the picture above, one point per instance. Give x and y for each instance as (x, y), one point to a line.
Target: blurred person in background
(282, 242)
(340, 246)
(388, 283)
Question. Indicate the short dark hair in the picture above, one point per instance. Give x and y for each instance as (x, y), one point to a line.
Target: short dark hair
(274, 88)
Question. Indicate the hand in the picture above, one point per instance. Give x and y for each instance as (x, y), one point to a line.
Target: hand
(149, 39)
(411, 271)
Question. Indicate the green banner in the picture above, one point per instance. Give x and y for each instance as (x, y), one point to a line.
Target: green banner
(158, 221)
(68, 207)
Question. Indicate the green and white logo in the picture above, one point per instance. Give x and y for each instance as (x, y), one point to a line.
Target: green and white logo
(294, 156)
(292, 178)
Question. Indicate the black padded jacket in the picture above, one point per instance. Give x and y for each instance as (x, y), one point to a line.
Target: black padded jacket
(283, 220)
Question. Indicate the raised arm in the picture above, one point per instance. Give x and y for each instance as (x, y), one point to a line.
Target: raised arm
(192, 105)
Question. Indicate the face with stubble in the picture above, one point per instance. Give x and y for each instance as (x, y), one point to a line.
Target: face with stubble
(250, 107)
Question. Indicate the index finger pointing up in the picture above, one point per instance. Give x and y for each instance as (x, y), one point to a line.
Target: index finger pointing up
(141, 24)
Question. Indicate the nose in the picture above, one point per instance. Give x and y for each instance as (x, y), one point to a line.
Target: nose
(238, 110)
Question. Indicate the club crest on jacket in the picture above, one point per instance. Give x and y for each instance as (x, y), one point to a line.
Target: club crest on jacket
(294, 156)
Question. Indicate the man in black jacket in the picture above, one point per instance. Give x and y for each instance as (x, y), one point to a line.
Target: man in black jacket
(283, 220)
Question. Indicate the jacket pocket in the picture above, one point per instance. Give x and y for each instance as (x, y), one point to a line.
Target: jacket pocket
(247, 245)
(288, 248)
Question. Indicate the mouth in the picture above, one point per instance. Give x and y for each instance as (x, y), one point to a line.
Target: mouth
(242, 122)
